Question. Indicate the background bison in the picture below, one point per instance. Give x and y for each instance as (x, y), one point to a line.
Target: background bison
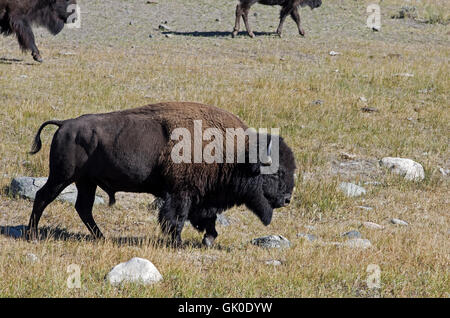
(131, 151)
(17, 16)
(288, 7)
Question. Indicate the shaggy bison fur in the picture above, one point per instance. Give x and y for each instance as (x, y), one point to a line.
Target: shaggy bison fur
(130, 151)
(17, 16)
(288, 7)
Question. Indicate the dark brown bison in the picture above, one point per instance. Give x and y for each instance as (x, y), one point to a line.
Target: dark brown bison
(288, 7)
(132, 151)
(17, 16)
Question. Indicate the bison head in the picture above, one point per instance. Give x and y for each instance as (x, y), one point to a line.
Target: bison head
(57, 14)
(311, 3)
(275, 188)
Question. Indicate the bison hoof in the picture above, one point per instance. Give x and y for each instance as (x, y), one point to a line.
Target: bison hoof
(37, 57)
(208, 241)
(302, 32)
(234, 33)
(251, 34)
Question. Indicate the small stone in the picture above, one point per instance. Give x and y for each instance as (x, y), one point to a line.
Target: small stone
(372, 226)
(404, 75)
(444, 172)
(272, 241)
(334, 53)
(363, 99)
(222, 220)
(150, 36)
(369, 109)
(309, 237)
(347, 156)
(352, 234)
(136, 270)
(363, 207)
(317, 102)
(31, 257)
(351, 190)
(273, 262)
(408, 168)
(358, 243)
(164, 27)
(168, 35)
(399, 222)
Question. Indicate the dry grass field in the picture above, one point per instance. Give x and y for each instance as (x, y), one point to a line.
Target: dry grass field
(292, 83)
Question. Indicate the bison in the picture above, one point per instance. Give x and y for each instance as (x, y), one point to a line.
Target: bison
(288, 7)
(17, 16)
(132, 151)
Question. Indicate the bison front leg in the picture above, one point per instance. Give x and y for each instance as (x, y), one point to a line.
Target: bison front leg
(25, 36)
(237, 24)
(296, 17)
(211, 233)
(172, 216)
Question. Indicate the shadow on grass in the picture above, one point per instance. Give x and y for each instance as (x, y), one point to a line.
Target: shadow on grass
(61, 234)
(212, 34)
(9, 61)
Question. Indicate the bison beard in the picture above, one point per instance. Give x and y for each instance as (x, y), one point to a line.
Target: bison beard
(17, 16)
(130, 151)
(289, 7)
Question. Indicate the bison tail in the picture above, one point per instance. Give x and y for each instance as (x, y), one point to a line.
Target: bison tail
(37, 144)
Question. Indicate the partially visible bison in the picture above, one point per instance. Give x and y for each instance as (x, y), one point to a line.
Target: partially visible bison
(17, 16)
(132, 151)
(289, 7)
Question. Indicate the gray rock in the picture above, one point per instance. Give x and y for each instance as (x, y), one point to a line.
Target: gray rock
(358, 243)
(317, 102)
(399, 222)
(363, 207)
(273, 262)
(351, 190)
(444, 172)
(222, 220)
(309, 237)
(31, 257)
(372, 226)
(407, 168)
(26, 187)
(272, 241)
(352, 234)
(164, 27)
(137, 270)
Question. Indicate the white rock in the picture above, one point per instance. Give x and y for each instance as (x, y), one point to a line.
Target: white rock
(358, 243)
(273, 262)
(363, 99)
(31, 257)
(271, 241)
(399, 222)
(351, 190)
(136, 270)
(444, 172)
(334, 53)
(408, 168)
(372, 226)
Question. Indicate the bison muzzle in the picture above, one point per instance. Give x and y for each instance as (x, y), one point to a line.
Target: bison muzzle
(131, 151)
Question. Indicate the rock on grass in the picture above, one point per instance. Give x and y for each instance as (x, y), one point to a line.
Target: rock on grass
(137, 270)
(26, 187)
(407, 168)
(351, 190)
(272, 241)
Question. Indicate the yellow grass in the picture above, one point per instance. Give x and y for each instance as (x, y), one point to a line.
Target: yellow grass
(268, 82)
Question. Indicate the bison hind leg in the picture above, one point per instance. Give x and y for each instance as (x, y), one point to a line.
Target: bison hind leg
(112, 198)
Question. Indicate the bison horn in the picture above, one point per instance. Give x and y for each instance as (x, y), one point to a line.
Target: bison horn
(269, 152)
